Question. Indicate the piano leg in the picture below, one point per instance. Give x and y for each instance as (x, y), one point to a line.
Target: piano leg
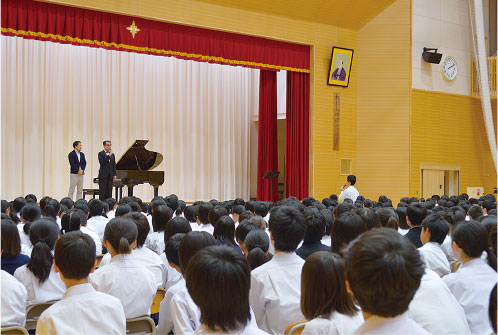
(156, 191)
(130, 191)
(120, 193)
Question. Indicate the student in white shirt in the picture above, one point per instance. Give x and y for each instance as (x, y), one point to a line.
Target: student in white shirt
(14, 298)
(185, 314)
(97, 222)
(372, 263)
(134, 285)
(112, 208)
(74, 220)
(257, 245)
(474, 280)
(236, 211)
(324, 297)
(275, 286)
(348, 191)
(243, 229)
(29, 213)
(452, 217)
(403, 225)
(38, 276)
(51, 211)
(82, 310)
(190, 215)
(434, 230)
(226, 272)
(160, 217)
(202, 217)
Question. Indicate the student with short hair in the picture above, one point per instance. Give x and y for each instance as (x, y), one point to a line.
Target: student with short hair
(324, 297)
(202, 217)
(257, 244)
(133, 284)
(82, 310)
(315, 228)
(38, 275)
(11, 248)
(415, 214)
(346, 228)
(475, 212)
(97, 221)
(474, 280)
(236, 211)
(434, 231)
(243, 229)
(13, 301)
(275, 286)
(29, 214)
(190, 213)
(373, 262)
(224, 232)
(210, 267)
(160, 218)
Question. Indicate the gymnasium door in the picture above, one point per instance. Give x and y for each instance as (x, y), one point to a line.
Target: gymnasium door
(432, 183)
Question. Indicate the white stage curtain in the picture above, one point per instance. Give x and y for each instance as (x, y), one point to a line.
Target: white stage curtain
(196, 114)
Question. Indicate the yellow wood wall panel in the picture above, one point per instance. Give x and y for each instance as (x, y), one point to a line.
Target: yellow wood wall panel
(449, 129)
(383, 112)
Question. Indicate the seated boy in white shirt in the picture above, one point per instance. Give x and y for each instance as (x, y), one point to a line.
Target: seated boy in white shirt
(82, 310)
(275, 293)
(384, 271)
(434, 231)
(226, 272)
(14, 299)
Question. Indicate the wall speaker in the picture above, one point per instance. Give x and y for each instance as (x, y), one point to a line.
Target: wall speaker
(431, 56)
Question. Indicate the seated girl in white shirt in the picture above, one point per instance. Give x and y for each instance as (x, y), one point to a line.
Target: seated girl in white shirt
(434, 231)
(29, 214)
(472, 283)
(97, 313)
(38, 276)
(324, 298)
(226, 272)
(126, 279)
(160, 217)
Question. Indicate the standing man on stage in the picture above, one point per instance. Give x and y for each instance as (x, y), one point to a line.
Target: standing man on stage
(107, 171)
(78, 164)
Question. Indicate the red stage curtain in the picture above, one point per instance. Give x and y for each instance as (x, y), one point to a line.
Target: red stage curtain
(267, 135)
(297, 135)
(64, 24)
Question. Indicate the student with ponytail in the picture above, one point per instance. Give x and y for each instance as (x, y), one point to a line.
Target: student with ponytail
(38, 276)
(124, 278)
(257, 244)
(474, 280)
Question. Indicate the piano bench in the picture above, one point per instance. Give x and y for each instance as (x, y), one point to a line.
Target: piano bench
(90, 191)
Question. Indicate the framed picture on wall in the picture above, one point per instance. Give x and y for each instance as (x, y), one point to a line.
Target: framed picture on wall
(340, 66)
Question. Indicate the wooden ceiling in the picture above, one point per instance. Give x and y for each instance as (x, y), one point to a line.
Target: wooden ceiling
(352, 14)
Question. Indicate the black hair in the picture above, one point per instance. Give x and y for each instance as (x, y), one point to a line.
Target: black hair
(171, 248)
(224, 231)
(438, 227)
(492, 312)
(68, 202)
(51, 209)
(71, 221)
(105, 141)
(75, 255)
(96, 207)
(370, 218)
(160, 217)
(416, 213)
(30, 213)
(257, 244)
(472, 238)
(261, 209)
(122, 210)
(42, 233)
(121, 233)
(143, 227)
(18, 204)
(111, 202)
(343, 208)
(352, 179)
(5, 206)
(238, 209)
(215, 213)
(190, 213)
(401, 211)
(388, 217)
(176, 225)
(245, 215)
(75, 143)
(315, 225)
(475, 212)
(203, 212)
(31, 199)
(11, 241)
(238, 201)
(346, 228)
(374, 261)
(288, 227)
(172, 202)
(329, 220)
(244, 227)
(210, 267)
(191, 243)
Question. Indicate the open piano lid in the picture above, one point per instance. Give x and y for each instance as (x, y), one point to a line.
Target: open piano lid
(139, 158)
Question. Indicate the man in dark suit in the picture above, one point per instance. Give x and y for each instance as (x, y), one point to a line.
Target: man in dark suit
(78, 164)
(107, 171)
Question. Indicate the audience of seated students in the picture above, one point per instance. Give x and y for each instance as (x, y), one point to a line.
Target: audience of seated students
(276, 305)
(38, 276)
(373, 262)
(224, 232)
(325, 301)
(174, 226)
(202, 217)
(315, 228)
(13, 300)
(185, 315)
(97, 221)
(29, 214)
(415, 214)
(141, 254)
(11, 248)
(129, 281)
(434, 231)
(474, 280)
(257, 246)
(209, 267)
(82, 310)
(346, 228)
(160, 217)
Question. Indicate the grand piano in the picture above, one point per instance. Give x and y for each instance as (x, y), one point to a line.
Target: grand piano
(133, 168)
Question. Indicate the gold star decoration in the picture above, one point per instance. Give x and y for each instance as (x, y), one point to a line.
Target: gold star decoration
(133, 29)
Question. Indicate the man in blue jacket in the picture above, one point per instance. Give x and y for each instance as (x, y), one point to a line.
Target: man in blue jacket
(78, 164)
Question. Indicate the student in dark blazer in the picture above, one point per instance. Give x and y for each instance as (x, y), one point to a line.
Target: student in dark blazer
(77, 162)
(107, 171)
